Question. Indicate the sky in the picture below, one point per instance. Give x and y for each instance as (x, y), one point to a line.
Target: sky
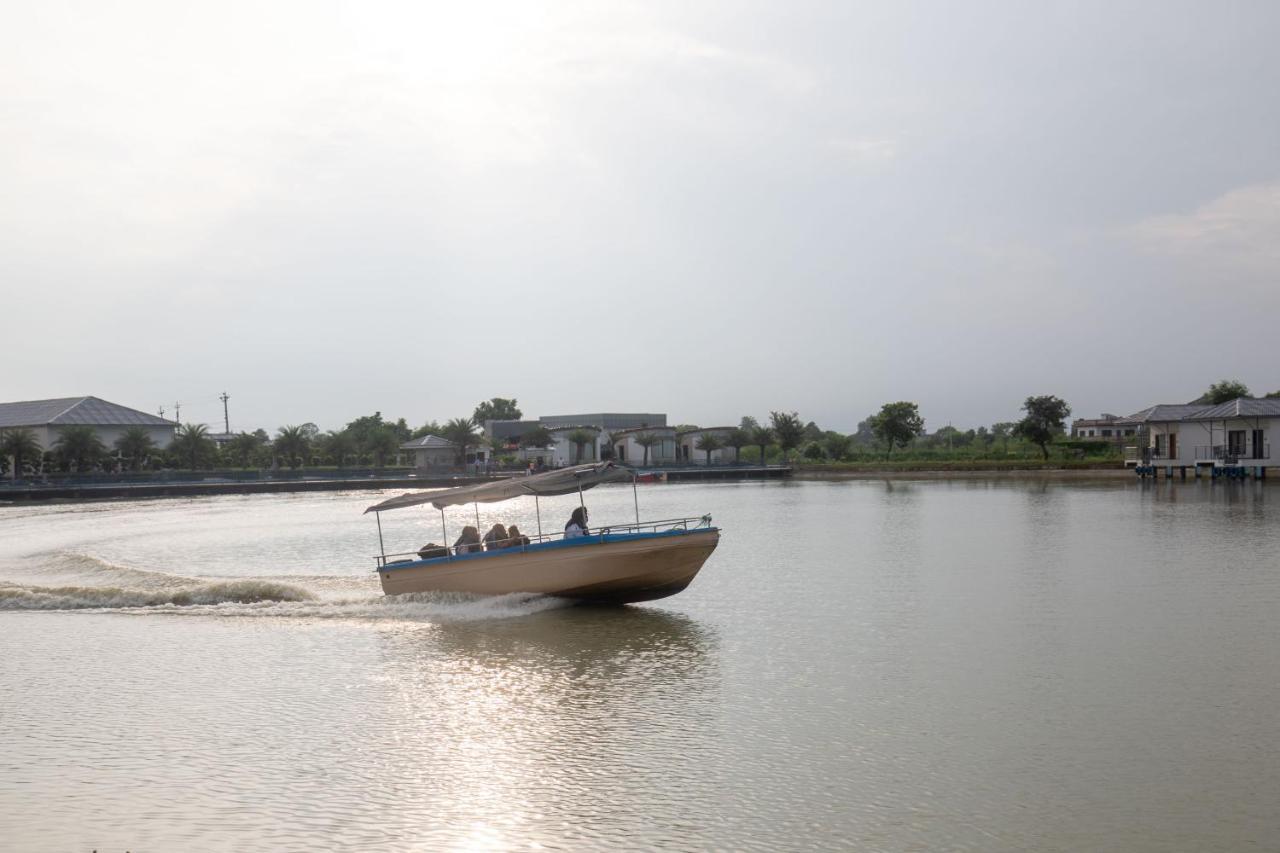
(705, 209)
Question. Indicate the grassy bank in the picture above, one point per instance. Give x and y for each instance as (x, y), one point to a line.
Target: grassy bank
(837, 470)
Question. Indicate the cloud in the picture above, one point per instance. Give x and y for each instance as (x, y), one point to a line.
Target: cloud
(1233, 235)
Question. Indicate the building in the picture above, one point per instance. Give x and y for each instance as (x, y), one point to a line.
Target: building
(565, 452)
(47, 418)
(606, 421)
(1237, 432)
(687, 444)
(663, 452)
(430, 451)
(1105, 426)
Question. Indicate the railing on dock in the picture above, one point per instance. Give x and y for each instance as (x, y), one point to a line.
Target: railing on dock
(1224, 452)
(592, 535)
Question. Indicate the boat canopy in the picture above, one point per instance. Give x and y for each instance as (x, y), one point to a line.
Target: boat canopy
(561, 481)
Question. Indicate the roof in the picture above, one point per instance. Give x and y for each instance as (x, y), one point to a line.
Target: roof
(428, 442)
(704, 429)
(588, 427)
(79, 411)
(1241, 407)
(562, 481)
(637, 430)
(1164, 412)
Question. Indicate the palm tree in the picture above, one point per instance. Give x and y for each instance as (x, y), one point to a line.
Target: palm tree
(787, 430)
(737, 438)
(338, 446)
(647, 440)
(461, 432)
(242, 447)
(20, 445)
(135, 445)
(708, 442)
(580, 438)
(192, 446)
(292, 445)
(79, 447)
(762, 436)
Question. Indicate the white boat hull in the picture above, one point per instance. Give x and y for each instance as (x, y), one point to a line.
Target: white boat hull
(603, 569)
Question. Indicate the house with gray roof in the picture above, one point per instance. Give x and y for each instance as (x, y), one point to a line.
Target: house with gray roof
(47, 418)
(1237, 432)
(430, 451)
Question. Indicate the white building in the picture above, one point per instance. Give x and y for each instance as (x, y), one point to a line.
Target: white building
(688, 440)
(430, 451)
(1237, 432)
(47, 418)
(627, 449)
(565, 452)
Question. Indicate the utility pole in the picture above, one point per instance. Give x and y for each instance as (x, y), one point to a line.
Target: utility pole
(226, 419)
(177, 413)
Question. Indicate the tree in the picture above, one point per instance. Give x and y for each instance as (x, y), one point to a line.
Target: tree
(837, 445)
(747, 424)
(580, 438)
(1223, 392)
(461, 432)
(1274, 394)
(647, 440)
(813, 451)
(1044, 420)
(787, 430)
(338, 446)
(135, 444)
(1002, 431)
(497, 409)
(21, 446)
(737, 438)
(193, 447)
(241, 449)
(763, 437)
(812, 432)
(382, 444)
(897, 423)
(535, 437)
(708, 442)
(79, 448)
(429, 428)
(292, 444)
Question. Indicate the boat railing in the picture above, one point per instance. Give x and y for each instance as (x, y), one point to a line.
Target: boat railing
(597, 534)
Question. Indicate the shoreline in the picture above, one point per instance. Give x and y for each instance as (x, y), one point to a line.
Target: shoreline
(967, 474)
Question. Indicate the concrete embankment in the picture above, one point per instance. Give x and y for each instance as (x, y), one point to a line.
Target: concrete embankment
(954, 473)
(189, 488)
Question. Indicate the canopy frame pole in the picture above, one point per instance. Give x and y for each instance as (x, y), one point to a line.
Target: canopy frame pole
(477, 505)
(444, 531)
(538, 510)
(635, 495)
(382, 549)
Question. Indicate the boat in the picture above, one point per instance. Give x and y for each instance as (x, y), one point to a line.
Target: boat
(617, 564)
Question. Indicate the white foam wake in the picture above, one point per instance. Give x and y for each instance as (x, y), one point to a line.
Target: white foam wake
(19, 597)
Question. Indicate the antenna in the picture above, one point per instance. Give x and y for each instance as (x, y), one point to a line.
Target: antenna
(162, 411)
(226, 420)
(177, 413)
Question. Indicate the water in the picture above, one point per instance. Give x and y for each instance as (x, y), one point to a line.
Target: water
(954, 665)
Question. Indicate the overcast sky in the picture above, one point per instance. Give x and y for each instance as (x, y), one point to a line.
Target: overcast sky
(705, 209)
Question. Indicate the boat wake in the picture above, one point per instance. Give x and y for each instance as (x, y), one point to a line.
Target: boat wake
(81, 582)
(269, 598)
(21, 597)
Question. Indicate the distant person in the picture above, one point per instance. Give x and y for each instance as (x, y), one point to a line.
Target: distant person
(516, 539)
(496, 538)
(577, 524)
(468, 542)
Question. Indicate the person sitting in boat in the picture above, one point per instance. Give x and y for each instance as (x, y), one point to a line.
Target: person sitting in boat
(516, 539)
(468, 542)
(577, 524)
(496, 538)
(431, 549)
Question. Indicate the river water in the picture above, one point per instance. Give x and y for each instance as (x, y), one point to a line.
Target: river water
(942, 665)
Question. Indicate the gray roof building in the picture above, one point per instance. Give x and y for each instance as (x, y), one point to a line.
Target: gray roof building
(75, 411)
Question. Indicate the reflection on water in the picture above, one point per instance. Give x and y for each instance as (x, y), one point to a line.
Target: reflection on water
(964, 665)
